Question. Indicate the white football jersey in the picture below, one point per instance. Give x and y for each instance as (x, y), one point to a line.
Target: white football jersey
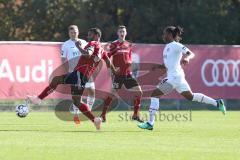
(172, 55)
(71, 52)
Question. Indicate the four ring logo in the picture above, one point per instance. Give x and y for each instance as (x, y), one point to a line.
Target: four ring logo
(222, 73)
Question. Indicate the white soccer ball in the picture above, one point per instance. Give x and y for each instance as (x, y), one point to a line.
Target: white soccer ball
(22, 110)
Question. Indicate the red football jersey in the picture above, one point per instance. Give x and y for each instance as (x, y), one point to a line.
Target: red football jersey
(122, 56)
(87, 65)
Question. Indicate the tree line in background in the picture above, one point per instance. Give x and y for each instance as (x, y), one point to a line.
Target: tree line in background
(204, 21)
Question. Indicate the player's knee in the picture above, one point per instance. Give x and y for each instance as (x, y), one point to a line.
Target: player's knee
(156, 93)
(153, 94)
(110, 97)
(53, 85)
(91, 92)
(55, 81)
(140, 93)
(189, 97)
(76, 101)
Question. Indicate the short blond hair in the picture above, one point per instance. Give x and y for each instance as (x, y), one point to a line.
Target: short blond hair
(71, 27)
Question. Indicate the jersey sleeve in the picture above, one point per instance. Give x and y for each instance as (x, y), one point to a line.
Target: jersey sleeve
(64, 51)
(183, 49)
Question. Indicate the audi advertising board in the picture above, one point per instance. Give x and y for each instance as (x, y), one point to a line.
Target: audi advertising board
(25, 68)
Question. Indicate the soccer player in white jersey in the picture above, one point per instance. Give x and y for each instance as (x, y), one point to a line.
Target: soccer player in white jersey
(174, 55)
(70, 56)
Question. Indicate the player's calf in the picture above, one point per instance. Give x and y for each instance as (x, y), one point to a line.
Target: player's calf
(106, 104)
(201, 98)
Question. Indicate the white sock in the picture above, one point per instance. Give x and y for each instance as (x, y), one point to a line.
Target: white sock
(154, 106)
(90, 101)
(199, 97)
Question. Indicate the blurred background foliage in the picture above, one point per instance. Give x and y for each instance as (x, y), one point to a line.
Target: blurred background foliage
(204, 21)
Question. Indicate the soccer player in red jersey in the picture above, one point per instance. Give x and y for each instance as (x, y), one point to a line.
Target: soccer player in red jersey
(120, 52)
(91, 56)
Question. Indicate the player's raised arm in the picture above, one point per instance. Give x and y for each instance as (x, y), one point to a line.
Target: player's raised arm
(187, 55)
(85, 52)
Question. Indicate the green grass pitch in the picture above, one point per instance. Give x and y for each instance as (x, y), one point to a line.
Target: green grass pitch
(41, 136)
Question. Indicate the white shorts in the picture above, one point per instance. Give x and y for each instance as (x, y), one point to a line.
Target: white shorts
(178, 83)
(90, 85)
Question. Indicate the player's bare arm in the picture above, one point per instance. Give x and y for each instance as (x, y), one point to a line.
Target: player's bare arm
(85, 52)
(111, 66)
(186, 57)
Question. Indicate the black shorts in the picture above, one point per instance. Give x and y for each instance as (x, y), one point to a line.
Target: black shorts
(77, 81)
(128, 81)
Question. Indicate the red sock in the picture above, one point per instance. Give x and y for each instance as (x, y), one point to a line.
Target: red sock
(137, 102)
(48, 90)
(107, 102)
(86, 111)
